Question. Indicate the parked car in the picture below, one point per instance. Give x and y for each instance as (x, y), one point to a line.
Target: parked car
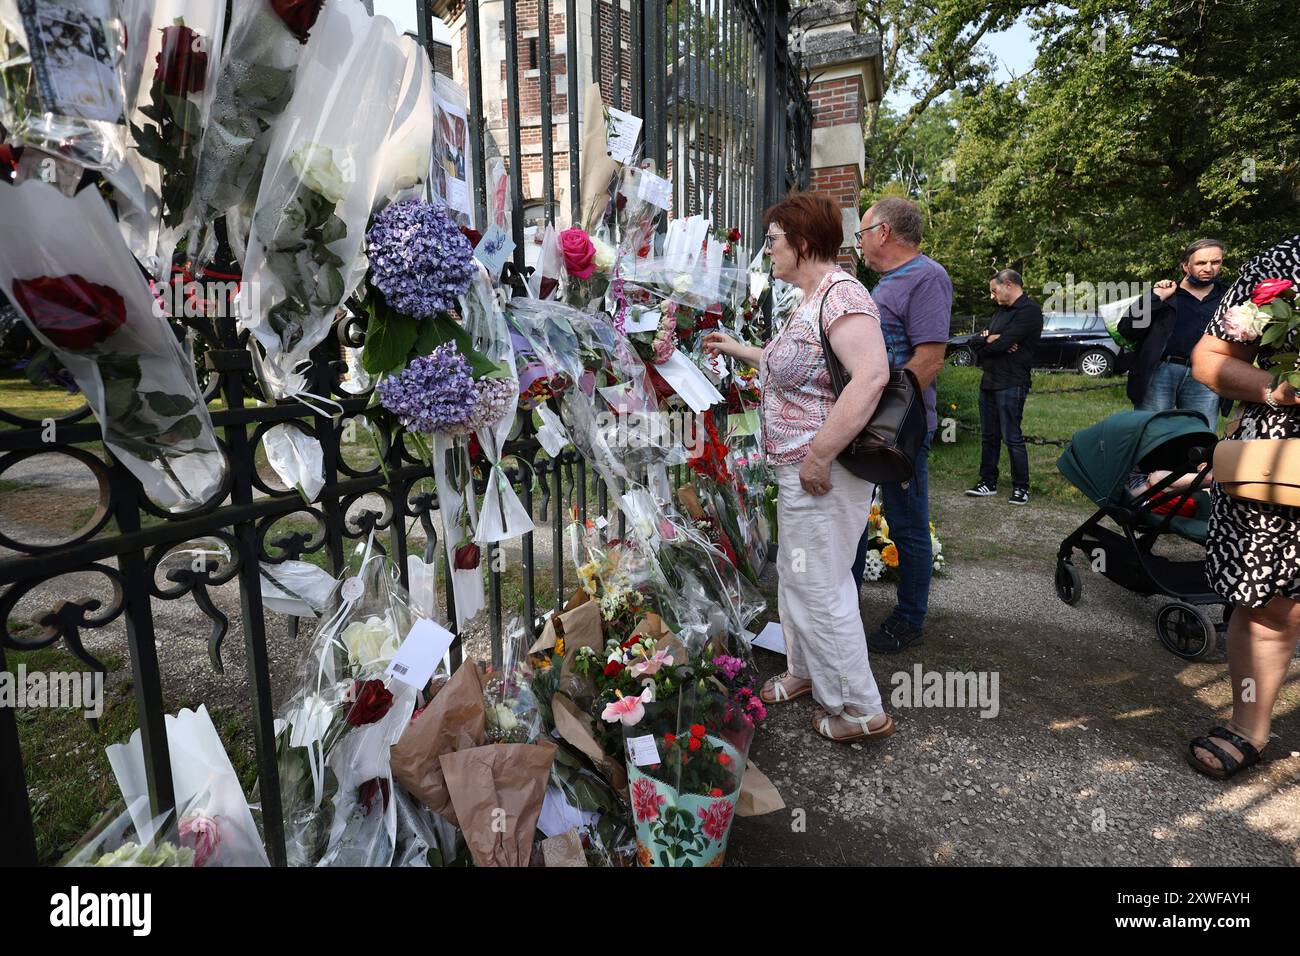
(1075, 340)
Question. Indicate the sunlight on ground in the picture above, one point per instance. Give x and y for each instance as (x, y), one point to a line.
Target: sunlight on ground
(1074, 723)
(1140, 713)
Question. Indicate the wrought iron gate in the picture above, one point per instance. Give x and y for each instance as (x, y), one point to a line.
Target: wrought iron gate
(722, 103)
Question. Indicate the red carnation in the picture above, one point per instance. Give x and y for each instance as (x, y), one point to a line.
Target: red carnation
(613, 669)
(370, 701)
(182, 61)
(715, 792)
(695, 743)
(697, 730)
(298, 15)
(1268, 290)
(467, 557)
(670, 739)
(70, 311)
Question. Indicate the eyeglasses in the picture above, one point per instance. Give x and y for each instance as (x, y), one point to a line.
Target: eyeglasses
(770, 238)
(858, 235)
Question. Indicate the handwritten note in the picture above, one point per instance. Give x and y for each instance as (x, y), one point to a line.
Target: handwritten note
(621, 132)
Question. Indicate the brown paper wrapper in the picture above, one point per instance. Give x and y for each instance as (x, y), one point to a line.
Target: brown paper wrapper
(597, 168)
(575, 727)
(454, 720)
(497, 791)
(564, 849)
(652, 626)
(757, 795)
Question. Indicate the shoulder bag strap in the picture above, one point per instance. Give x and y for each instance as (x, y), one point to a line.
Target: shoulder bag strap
(839, 378)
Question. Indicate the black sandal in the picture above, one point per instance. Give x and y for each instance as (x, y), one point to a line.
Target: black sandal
(1231, 766)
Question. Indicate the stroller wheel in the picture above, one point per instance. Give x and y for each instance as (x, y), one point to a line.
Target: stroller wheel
(1185, 630)
(1068, 586)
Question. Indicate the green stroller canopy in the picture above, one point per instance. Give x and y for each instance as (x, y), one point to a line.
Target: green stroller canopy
(1100, 458)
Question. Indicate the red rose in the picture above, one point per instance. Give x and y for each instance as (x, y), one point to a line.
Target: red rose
(697, 730)
(70, 311)
(1268, 290)
(670, 739)
(548, 286)
(734, 235)
(370, 701)
(579, 253)
(724, 759)
(298, 15)
(467, 557)
(9, 159)
(371, 789)
(182, 62)
(613, 669)
(715, 792)
(695, 743)
(473, 235)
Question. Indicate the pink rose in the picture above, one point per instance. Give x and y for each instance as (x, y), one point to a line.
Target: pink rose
(200, 833)
(579, 253)
(1269, 289)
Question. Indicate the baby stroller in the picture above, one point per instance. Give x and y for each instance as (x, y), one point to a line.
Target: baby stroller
(1099, 461)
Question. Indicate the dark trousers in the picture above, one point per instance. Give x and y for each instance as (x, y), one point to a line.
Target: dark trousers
(1000, 412)
(908, 512)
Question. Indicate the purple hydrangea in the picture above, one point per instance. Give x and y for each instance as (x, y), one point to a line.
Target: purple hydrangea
(435, 393)
(419, 258)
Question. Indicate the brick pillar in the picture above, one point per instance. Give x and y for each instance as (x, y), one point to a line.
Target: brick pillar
(846, 64)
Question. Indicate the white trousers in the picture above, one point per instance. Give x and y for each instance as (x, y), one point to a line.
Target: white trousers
(818, 603)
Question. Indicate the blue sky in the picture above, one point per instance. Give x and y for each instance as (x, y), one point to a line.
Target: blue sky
(402, 13)
(1014, 50)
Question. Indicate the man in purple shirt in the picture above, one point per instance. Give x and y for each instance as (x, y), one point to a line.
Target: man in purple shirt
(914, 296)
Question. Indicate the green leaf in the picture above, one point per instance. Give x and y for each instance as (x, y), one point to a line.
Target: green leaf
(121, 398)
(186, 115)
(389, 337)
(1275, 332)
(188, 428)
(334, 229)
(169, 406)
(1282, 309)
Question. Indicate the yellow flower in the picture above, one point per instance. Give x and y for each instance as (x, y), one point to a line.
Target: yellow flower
(953, 406)
(559, 646)
(890, 555)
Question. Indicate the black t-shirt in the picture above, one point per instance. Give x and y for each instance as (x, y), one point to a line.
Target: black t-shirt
(1192, 317)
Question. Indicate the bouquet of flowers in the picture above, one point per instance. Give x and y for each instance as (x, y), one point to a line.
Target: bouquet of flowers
(882, 552)
(335, 779)
(92, 309)
(167, 130)
(588, 264)
(318, 189)
(1270, 318)
(256, 81)
(116, 841)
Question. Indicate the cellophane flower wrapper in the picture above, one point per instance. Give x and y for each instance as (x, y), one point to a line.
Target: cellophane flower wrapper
(549, 273)
(297, 458)
(213, 816)
(83, 297)
(582, 799)
(115, 841)
(635, 218)
(91, 74)
(168, 118)
(452, 475)
(503, 515)
(514, 714)
(335, 731)
(405, 159)
(318, 189)
(255, 83)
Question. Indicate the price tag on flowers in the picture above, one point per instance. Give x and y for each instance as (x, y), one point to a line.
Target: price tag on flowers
(418, 657)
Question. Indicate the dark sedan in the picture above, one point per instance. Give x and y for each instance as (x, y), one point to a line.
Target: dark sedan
(1074, 340)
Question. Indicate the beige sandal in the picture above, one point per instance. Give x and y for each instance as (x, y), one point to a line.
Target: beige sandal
(822, 724)
(779, 694)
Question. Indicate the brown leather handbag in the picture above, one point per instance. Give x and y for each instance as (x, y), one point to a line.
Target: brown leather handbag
(885, 450)
(1266, 470)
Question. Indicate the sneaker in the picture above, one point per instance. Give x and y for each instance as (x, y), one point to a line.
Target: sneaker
(981, 491)
(1019, 496)
(892, 637)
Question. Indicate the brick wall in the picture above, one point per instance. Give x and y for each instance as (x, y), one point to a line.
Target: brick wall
(836, 102)
(442, 59)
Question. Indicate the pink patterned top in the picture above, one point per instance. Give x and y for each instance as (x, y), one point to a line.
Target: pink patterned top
(797, 394)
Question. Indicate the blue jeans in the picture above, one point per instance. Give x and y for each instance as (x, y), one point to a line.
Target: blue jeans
(1000, 412)
(1172, 386)
(908, 512)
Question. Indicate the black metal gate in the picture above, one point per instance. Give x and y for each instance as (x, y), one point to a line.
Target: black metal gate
(722, 103)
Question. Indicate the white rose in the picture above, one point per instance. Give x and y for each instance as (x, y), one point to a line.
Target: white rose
(1246, 322)
(370, 643)
(503, 718)
(606, 254)
(682, 283)
(316, 165)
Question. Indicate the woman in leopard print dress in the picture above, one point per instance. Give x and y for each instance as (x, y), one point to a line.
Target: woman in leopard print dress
(1253, 551)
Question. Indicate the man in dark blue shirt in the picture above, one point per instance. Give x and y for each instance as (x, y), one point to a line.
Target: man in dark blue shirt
(1168, 322)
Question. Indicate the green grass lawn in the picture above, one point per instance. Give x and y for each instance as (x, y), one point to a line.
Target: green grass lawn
(1050, 412)
(20, 397)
